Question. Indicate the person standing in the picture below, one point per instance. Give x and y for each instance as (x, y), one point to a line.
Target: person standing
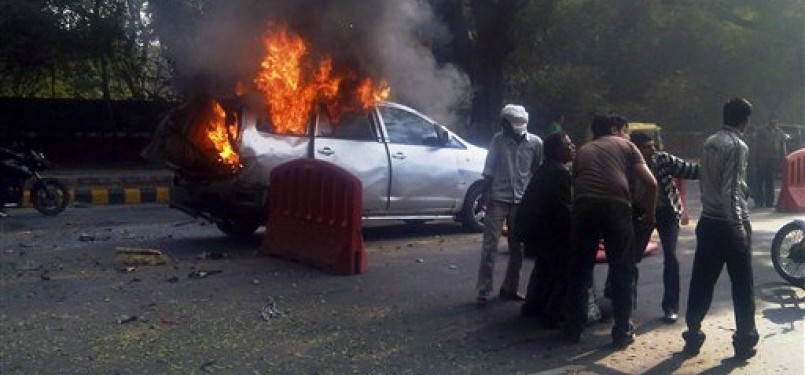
(543, 224)
(514, 155)
(602, 200)
(665, 168)
(770, 151)
(724, 234)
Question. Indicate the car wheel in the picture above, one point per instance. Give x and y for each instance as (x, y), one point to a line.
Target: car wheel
(473, 211)
(237, 229)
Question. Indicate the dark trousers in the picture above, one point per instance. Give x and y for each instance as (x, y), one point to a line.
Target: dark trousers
(766, 174)
(668, 229)
(547, 284)
(611, 220)
(715, 247)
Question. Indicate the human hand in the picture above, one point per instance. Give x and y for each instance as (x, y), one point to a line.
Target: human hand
(740, 239)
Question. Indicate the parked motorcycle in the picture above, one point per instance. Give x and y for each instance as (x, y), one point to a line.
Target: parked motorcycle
(48, 195)
(788, 252)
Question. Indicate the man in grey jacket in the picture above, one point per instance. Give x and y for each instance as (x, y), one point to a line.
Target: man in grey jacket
(723, 234)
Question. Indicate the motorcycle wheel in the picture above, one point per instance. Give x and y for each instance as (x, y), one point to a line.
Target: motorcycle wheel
(50, 197)
(788, 253)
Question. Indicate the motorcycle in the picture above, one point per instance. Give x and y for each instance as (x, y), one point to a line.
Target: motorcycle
(788, 252)
(48, 195)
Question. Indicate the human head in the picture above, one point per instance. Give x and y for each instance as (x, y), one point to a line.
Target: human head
(737, 112)
(773, 120)
(516, 119)
(559, 147)
(644, 143)
(619, 126)
(600, 126)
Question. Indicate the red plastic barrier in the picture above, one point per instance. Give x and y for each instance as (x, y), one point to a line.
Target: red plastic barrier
(792, 190)
(315, 216)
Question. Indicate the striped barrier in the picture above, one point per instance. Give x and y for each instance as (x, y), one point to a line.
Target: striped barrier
(114, 195)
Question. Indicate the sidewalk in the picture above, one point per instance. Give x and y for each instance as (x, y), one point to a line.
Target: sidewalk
(111, 185)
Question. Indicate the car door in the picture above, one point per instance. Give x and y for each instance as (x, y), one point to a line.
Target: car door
(352, 142)
(424, 175)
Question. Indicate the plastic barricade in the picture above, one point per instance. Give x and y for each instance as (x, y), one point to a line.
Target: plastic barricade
(792, 188)
(315, 216)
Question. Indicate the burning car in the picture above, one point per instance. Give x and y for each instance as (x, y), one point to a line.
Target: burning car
(412, 168)
(299, 105)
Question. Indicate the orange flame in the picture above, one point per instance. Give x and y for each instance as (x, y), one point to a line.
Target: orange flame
(291, 90)
(220, 135)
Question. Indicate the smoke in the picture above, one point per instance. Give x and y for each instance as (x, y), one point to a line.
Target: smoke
(217, 42)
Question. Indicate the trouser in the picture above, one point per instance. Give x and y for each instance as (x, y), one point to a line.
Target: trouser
(715, 246)
(767, 173)
(547, 284)
(611, 220)
(496, 214)
(668, 228)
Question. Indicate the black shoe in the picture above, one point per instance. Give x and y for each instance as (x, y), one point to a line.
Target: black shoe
(511, 296)
(693, 342)
(742, 354)
(670, 317)
(621, 342)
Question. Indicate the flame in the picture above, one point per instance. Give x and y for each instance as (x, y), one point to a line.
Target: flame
(291, 83)
(221, 135)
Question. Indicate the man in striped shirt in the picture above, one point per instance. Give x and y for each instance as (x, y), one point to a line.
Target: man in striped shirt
(665, 168)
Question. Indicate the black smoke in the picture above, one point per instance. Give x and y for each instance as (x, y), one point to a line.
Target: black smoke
(216, 42)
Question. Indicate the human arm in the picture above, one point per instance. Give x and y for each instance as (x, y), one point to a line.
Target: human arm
(680, 168)
(649, 196)
(730, 191)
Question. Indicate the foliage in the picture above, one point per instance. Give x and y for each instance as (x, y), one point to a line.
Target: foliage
(669, 61)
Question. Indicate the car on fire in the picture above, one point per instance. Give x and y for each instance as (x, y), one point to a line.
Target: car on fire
(411, 168)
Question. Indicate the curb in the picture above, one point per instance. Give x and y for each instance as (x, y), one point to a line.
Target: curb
(114, 195)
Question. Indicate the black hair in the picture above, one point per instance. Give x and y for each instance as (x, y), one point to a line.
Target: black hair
(600, 126)
(640, 139)
(736, 111)
(553, 146)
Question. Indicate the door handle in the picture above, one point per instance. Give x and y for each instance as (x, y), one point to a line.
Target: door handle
(399, 155)
(326, 151)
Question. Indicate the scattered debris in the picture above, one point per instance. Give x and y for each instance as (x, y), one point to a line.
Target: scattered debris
(270, 310)
(207, 366)
(420, 260)
(86, 237)
(214, 255)
(452, 266)
(44, 275)
(135, 256)
(123, 319)
(202, 274)
(173, 279)
(255, 281)
(126, 269)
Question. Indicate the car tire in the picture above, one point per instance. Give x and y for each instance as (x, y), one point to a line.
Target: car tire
(236, 229)
(473, 212)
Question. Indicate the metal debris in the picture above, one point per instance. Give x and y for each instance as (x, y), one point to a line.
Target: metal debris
(123, 319)
(270, 310)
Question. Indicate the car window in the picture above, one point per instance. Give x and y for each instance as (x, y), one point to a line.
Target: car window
(352, 125)
(407, 128)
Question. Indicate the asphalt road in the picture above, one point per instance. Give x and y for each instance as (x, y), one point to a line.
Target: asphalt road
(68, 305)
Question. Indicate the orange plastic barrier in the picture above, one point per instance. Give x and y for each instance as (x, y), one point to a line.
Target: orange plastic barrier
(792, 189)
(601, 253)
(315, 216)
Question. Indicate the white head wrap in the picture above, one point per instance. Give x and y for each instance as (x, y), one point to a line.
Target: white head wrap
(517, 116)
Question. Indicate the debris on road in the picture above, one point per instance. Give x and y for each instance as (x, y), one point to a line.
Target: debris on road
(84, 237)
(134, 256)
(123, 319)
(202, 274)
(270, 310)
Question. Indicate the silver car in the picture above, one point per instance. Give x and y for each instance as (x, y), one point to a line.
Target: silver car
(412, 169)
